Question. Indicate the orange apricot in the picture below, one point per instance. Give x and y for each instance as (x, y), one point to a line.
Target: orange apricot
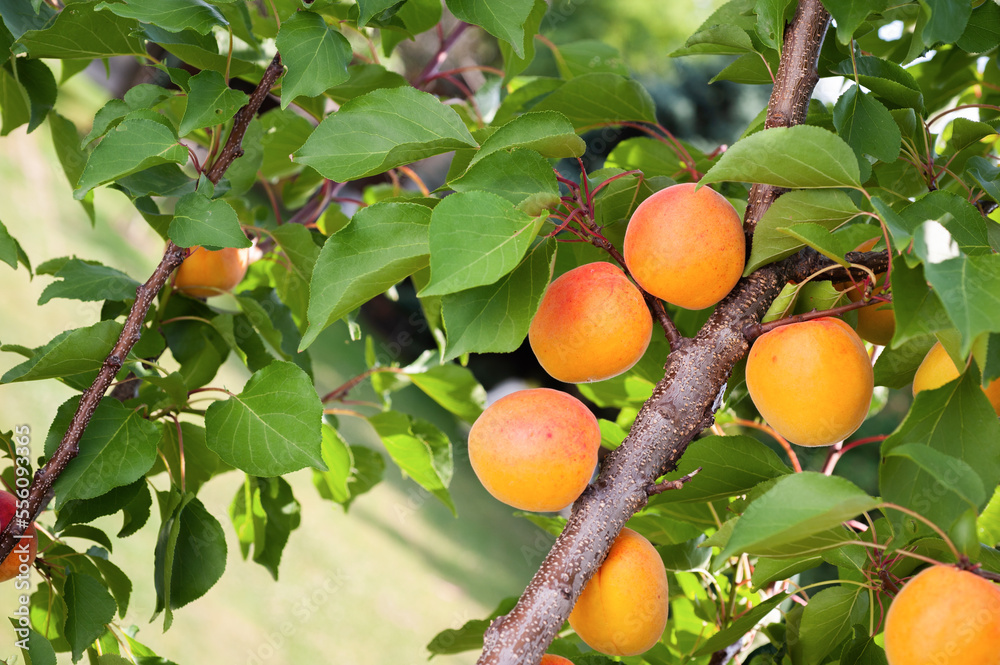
(944, 616)
(876, 322)
(811, 381)
(205, 273)
(23, 555)
(552, 659)
(685, 246)
(535, 449)
(937, 369)
(592, 324)
(623, 608)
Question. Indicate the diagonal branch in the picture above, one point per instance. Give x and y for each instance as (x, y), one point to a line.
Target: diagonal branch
(682, 405)
(40, 492)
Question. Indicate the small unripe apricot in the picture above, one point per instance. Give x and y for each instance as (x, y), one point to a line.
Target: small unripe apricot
(591, 325)
(535, 449)
(623, 609)
(205, 273)
(25, 549)
(937, 369)
(685, 246)
(811, 381)
(552, 659)
(944, 616)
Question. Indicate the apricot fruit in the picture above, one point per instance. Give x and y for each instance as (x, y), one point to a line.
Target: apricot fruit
(535, 449)
(686, 246)
(205, 273)
(25, 549)
(592, 324)
(937, 369)
(622, 610)
(944, 616)
(811, 381)
(552, 659)
(876, 322)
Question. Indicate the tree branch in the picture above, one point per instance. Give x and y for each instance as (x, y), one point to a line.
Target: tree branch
(682, 405)
(40, 492)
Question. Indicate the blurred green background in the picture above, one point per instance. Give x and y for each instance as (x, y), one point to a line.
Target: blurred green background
(376, 584)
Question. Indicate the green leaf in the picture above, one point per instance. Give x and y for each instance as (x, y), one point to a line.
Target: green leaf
(520, 176)
(264, 512)
(71, 156)
(421, 451)
(963, 221)
(475, 238)
(719, 39)
(272, 427)
(210, 101)
(797, 506)
(504, 19)
(767, 571)
(730, 466)
(369, 8)
(82, 32)
(850, 14)
(39, 651)
(740, 627)
(495, 318)
(969, 289)
(38, 85)
(381, 130)
(918, 310)
(895, 367)
(947, 21)
(190, 556)
(117, 448)
(771, 21)
(867, 126)
(828, 619)
(200, 464)
(80, 280)
(599, 99)
(74, 356)
(955, 420)
(834, 246)
(297, 243)
(795, 157)
(470, 636)
(826, 208)
(384, 244)
(549, 133)
(316, 56)
(88, 532)
(455, 388)
(515, 63)
(210, 223)
(363, 79)
(334, 483)
(89, 607)
(982, 33)
(10, 249)
(13, 102)
(133, 145)
(885, 79)
(863, 651)
(939, 486)
(172, 15)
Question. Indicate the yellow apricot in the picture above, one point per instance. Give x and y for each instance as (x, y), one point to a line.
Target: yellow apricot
(592, 324)
(623, 608)
(937, 369)
(811, 381)
(205, 273)
(944, 616)
(552, 659)
(685, 246)
(535, 449)
(876, 322)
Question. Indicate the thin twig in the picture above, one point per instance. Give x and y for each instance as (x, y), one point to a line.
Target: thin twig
(756, 330)
(666, 485)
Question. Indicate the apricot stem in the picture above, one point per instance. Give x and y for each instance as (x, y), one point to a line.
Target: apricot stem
(665, 485)
(340, 392)
(838, 449)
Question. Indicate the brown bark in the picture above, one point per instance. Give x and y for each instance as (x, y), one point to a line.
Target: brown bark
(682, 405)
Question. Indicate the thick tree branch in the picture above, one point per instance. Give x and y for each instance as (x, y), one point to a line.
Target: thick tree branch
(40, 492)
(682, 405)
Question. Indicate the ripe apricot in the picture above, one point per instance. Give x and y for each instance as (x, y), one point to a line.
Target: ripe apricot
(944, 616)
(592, 324)
(552, 659)
(876, 322)
(25, 549)
(623, 609)
(535, 449)
(205, 273)
(937, 369)
(811, 381)
(685, 246)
